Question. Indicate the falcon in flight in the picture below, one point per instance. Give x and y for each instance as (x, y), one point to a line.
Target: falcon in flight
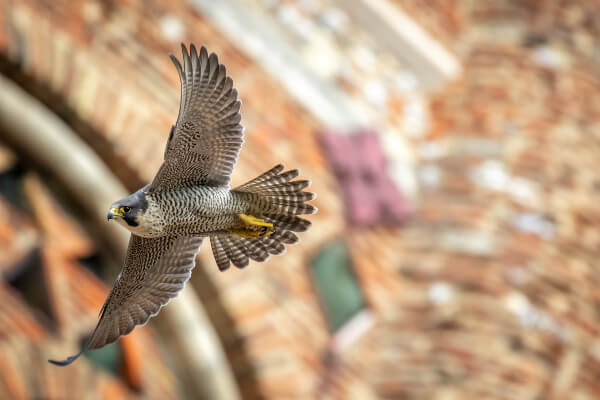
(190, 199)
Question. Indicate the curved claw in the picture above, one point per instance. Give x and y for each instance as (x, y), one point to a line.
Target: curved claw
(251, 220)
(254, 227)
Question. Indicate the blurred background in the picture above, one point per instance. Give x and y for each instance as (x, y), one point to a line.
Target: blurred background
(454, 147)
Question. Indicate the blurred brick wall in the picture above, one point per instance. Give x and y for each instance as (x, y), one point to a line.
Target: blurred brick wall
(488, 293)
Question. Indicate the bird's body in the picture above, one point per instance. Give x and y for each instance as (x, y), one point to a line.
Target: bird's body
(205, 210)
(189, 199)
(192, 211)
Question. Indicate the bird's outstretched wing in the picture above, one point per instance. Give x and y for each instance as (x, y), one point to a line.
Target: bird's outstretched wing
(204, 144)
(155, 271)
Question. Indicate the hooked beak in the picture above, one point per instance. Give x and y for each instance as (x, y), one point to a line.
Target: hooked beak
(112, 213)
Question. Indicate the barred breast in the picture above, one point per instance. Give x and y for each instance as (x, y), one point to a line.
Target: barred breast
(200, 210)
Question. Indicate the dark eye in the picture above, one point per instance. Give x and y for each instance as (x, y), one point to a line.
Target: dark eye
(126, 209)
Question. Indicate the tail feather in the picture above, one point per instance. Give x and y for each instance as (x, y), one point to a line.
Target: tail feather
(278, 200)
(286, 190)
(278, 194)
(289, 209)
(267, 176)
(286, 237)
(273, 246)
(235, 250)
(219, 253)
(285, 187)
(270, 179)
(288, 222)
(256, 249)
(299, 197)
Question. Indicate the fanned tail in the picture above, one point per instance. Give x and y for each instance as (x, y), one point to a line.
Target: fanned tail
(278, 194)
(278, 200)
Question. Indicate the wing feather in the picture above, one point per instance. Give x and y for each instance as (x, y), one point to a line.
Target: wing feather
(205, 142)
(155, 271)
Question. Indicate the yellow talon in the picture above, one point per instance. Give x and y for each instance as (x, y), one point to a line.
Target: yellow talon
(253, 221)
(266, 232)
(255, 227)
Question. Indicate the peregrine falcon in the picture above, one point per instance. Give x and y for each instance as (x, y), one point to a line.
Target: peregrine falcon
(190, 199)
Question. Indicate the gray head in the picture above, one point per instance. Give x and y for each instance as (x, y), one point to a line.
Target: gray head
(128, 210)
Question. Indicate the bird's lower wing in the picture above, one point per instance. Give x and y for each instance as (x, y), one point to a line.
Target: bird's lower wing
(155, 270)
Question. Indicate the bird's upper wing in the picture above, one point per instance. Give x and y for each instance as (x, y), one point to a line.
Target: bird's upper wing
(204, 144)
(155, 270)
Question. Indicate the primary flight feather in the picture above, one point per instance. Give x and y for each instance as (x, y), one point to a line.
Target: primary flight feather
(190, 199)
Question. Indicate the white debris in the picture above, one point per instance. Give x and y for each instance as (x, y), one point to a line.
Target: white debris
(549, 57)
(172, 28)
(376, 93)
(524, 192)
(322, 58)
(530, 316)
(517, 303)
(440, 293)
(534, 223)
(491, 174)
(403, 175)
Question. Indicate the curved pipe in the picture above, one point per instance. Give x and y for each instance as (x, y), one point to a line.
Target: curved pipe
(38, 134)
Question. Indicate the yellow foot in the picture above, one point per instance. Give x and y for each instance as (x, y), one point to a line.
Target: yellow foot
(254, 227)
